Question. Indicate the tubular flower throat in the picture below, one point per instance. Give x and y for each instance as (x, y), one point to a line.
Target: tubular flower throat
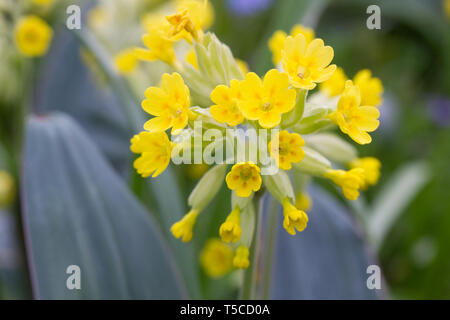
(226, 99)
(303, 201)
(307, 64)
(349, 181)
(125, 61)
(354, 119)
(155, 149)
(371, 88)
(241, 257)
(286, 148)
(183, 228)
(32, 36)
(371, 167)
(216, 258)
(244, 178)
(266, 100)
(276, 42)
(230, 230)
(294, 219)
(169, 104)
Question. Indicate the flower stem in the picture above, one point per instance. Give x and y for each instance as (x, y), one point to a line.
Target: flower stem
(270, 246)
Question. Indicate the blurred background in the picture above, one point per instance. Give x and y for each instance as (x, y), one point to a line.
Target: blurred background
(405, 218)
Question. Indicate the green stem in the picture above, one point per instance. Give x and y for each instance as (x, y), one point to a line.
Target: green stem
(270, 247)
(248, 286)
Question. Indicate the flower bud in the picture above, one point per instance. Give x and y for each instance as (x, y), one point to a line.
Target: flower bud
(279, 185)
(313, 163)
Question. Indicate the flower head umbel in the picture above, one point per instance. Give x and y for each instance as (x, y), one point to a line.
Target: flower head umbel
(286, 148)
(349, 181)
(244, 178)
(371, 88)
(241, 260)
(276, 42)
(307, 64)
(230, 230)
(169, 104)
(32, 36)
(155, 149)
(371, 167)
(216, 258)
(226, 99)
(354, 119)
(183, 228)
(268, 99)
(294, 219)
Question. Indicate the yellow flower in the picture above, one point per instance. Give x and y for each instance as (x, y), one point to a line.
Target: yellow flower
(169, 104)
(125, 61)
(243, 66)
(371, 167)
(288, 149)
(266, 100)
(191, 58)
(230, 230)
(32, 36)
(226, 99)
(183, 228)
(349, 181)
(276, 42)
(241, 257)
(354, 119)
(244, 178)
(216, 258)
(155, 149)
(200, 12)
(371, 88)
(7, 191)
(303, 201)
(307, 64)
(293, 217)
(159, 45)
(335, 84)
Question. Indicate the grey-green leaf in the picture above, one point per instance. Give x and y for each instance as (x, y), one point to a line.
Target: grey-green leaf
(77, 211)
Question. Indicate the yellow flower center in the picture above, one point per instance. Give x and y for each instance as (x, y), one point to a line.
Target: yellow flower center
(245, 174)
(267, 106)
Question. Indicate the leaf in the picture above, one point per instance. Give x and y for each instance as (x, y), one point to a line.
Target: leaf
(328, 260)
(395, 196)
(77, 211)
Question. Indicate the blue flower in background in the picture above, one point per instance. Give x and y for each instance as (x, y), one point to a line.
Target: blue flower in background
(439, 111)
(248, 7)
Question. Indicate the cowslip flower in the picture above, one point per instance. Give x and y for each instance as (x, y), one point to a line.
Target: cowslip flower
(241, 257)
(370, 87)
(169, 104)
(276, 42)
(354, 119)
(307, 64)
(287, 149)
(159, 46)
(349, 181)
(216, 258)
(155, 149)
(335, 85)
(226, 99)
(294, 219)
(125, 61)
(268, 99)
(230, 230)
(244, 178)
(183, 228)
(32, 36)
(371, 167)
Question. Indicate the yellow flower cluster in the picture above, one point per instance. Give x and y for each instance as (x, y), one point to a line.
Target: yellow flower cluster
(32, 36)
(212, 87)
